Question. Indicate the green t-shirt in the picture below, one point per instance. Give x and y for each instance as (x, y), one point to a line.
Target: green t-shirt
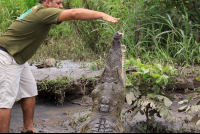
(26, 34)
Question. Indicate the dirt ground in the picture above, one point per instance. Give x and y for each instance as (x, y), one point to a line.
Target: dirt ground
(67, 68)
(50, 118)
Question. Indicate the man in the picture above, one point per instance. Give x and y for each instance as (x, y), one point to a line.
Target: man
(18, 44)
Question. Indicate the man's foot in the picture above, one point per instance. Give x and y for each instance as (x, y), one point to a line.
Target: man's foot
(29, 131)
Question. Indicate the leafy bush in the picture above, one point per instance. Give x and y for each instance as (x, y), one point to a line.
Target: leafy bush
(149, 78)
(154, 30)
(146, 89)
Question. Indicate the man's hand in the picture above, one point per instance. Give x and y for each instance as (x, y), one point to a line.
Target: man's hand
(110, 19)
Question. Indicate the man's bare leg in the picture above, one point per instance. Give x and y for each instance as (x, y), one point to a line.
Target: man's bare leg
(5, 115)
(28, 107)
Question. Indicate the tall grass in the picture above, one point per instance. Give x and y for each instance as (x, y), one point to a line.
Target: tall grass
(155, 31)
(11, 9)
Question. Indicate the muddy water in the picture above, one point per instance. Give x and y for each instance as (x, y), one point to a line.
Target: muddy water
(48, 118)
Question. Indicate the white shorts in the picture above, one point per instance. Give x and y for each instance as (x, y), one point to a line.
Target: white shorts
(16, 81)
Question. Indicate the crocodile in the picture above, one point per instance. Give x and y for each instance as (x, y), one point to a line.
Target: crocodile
(109, 95)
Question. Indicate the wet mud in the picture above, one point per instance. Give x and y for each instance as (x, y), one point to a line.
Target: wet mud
(50, 118)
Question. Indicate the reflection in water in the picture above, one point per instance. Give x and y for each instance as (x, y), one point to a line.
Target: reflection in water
(45, 110)
(48, 118)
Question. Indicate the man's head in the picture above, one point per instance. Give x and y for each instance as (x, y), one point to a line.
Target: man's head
(52, 3)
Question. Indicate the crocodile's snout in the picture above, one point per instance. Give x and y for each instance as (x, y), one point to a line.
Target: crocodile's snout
(120, 33)
(117, 36)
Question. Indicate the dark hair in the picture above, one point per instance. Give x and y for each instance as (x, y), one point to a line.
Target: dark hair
(42, 1)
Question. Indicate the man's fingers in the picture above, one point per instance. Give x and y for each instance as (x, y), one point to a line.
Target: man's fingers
(112, 19)
(115, 20)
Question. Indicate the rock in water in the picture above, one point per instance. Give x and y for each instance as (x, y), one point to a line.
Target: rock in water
(51, 62)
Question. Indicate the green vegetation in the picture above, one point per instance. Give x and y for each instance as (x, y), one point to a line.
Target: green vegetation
(147, 93)
(158, 31)
(54, 90)
(146, 90)
(161, 33)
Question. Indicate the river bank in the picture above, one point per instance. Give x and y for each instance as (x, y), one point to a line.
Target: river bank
(50, 118)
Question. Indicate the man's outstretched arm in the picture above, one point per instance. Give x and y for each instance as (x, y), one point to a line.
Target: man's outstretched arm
(85, 14)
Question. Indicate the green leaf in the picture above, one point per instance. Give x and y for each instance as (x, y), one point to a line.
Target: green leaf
(167, 68)
(133, 62)
(198, 78)
(139, 72)
(143, 69)
(128, 81)
(139, 63)
(146, 71)
(134, 73)
(158, 67)
(159, 80)
(165, 78)
(127, 64)
(145, 76)
(155, 75)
